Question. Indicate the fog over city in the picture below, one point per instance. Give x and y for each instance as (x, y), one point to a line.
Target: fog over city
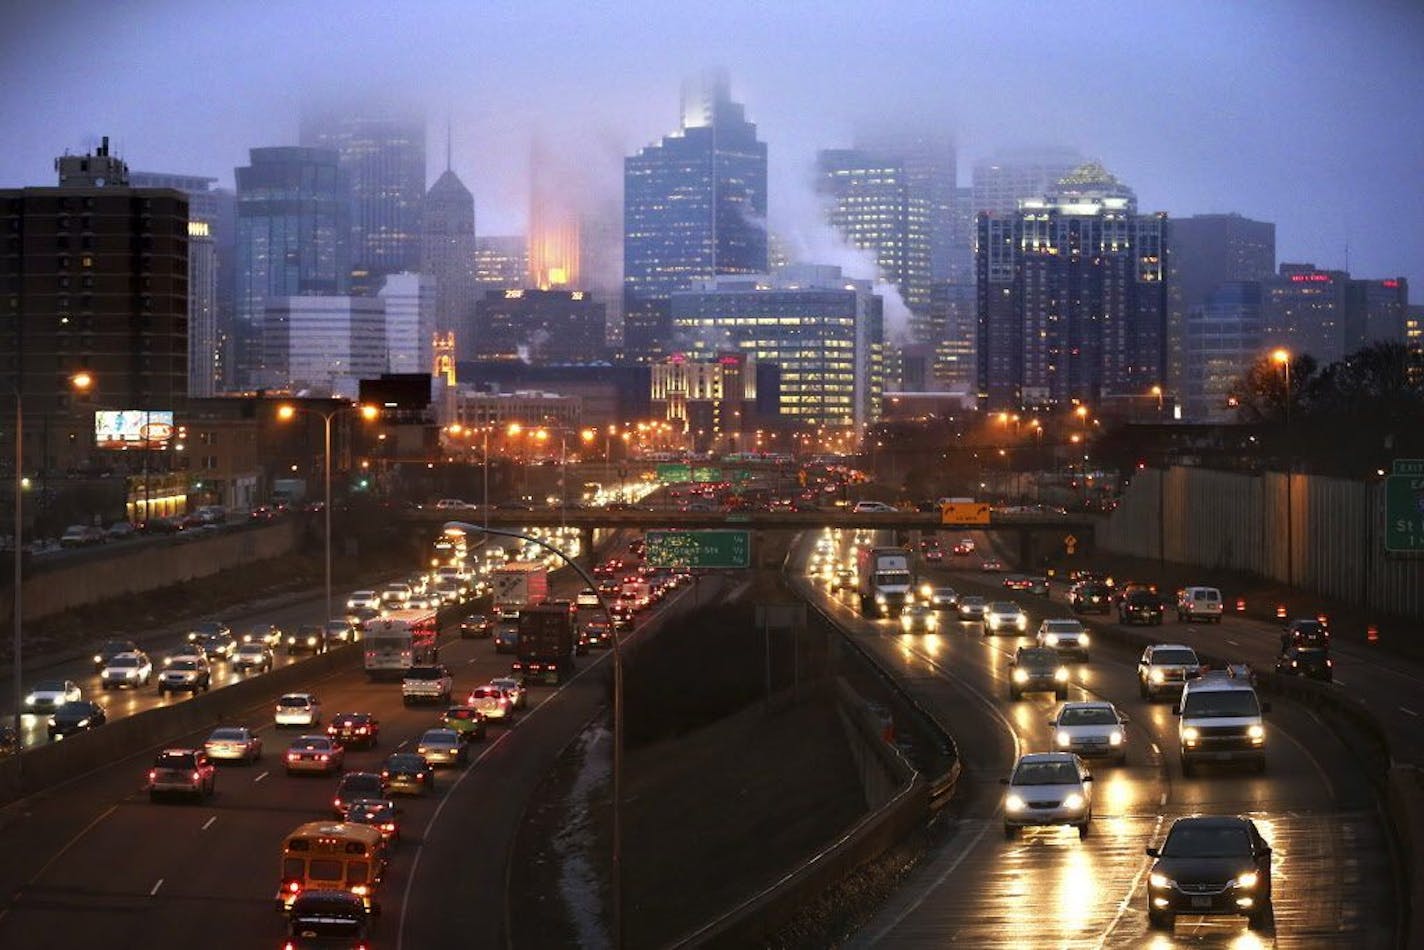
(1303, 113)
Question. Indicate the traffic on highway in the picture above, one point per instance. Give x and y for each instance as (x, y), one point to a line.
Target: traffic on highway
(1138, 796)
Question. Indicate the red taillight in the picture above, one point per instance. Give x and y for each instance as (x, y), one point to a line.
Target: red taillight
(385, 774)
(153, 775)
(292, 757)
(324, 757)
(294, 886)
(388, 827)
(197, 776)
(420, 776)
(336, 802)
(361, 731)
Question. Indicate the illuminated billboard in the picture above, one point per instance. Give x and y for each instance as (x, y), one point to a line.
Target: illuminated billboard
(133, 428)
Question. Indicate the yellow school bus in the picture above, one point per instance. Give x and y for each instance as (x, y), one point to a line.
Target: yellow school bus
(332, 856)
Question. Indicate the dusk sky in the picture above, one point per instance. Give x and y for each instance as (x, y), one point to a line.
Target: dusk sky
(1304, 113)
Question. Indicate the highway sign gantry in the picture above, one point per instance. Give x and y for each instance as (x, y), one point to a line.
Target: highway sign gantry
(699, 549)
(1404, 513)
(964, 512)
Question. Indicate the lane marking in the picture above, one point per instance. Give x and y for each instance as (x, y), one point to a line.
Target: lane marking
(1155, 749)
(403, 743)
(1126, 901)
(71, 843)
(1163, 800)
(1407, 711)
(932, 886)
(1233, 643)
(209, 823)
(156, 887)
(260, 777)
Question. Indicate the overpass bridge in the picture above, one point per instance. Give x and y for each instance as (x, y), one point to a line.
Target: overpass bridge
(1035, 533)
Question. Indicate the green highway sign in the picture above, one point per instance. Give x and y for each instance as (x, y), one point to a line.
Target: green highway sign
(689, 549)
(1408, 467)
(672, 472)
(703, 473)
(1404, 513)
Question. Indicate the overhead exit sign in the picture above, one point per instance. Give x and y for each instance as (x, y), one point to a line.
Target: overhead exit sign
(1404, 513)
(691, 549)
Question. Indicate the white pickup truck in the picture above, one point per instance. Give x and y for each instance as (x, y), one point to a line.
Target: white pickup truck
(424, 684)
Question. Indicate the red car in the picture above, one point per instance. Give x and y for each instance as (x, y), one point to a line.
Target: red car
(935, 554)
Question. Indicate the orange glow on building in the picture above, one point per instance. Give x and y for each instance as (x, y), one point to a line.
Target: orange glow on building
(553, 229)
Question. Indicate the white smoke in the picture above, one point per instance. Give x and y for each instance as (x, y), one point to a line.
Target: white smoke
(801, 224)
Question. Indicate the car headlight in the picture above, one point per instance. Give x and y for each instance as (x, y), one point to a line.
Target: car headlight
(1157, 879)
(1061, 674)
(98, 658)
(931, 622)
(1115, 737)
(1073, 801)
(1022, 623)
(1256, 732)
(52, 721)
(1050, 639)
(880, 598)
(30, 700)
(1064, 739)
(926, 590)
(1013, 803)
(905, 621)
(1082, 639)
(992, 620)
(1190, 733)
(1157, 676)
(1020, 676)
(1248, 879)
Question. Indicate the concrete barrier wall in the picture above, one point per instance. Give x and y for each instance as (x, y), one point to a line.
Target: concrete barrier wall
(58, 762)
(883, 771)
(129, 569)
(1321, 534)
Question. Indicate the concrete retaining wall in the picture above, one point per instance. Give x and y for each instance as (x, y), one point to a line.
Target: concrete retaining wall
(58, 762)
(1320, 534)
(883, 771)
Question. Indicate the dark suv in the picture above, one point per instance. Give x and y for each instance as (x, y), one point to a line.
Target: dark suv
(1310, 662)
(327, 919)
(1210, 865)
(1037, 670)
(1091, 597)
(1140, 606)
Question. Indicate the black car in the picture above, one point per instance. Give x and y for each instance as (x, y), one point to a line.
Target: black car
(379, 813)
(1038, 670)
(1140, 606)
(309, 638)
(1311, 662)
(409, 773)
(110, 649)
(74, 718)
(1210, 865)
(476, 626)
(1305, 633)
(1092, 597)
(354, 729)
(327, 919)
(358, 786)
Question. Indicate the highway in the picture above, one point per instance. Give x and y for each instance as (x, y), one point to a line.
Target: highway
(1334, 880)
(103, 866)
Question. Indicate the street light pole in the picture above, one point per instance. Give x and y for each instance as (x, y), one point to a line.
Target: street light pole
(15, 550)
(326, 508)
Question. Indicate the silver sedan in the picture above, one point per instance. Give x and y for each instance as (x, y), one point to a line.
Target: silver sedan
(1091, 729)
(442, 747)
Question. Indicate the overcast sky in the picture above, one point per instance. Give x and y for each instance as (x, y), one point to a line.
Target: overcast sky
(1306, 113)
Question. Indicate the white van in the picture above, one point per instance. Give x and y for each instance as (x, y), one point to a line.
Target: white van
(1199, 603)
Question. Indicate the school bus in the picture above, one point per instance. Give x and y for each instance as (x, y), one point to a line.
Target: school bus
(332, 856)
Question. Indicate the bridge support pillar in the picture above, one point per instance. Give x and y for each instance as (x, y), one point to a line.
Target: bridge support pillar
(586, 558)
(1026, 560)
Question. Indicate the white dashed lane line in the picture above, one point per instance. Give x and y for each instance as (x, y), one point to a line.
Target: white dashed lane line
(209, 823)
(261, 777)
(156, 887)
(1407, 711)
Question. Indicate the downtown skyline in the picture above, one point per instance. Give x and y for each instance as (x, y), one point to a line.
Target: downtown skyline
(1287, 118)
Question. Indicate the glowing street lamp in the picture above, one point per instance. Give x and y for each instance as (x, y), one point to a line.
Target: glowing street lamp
(287, 412)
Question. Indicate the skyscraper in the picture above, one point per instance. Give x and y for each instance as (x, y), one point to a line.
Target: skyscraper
(539, 326)
(293, 238)
(872, 202)
(1223, 339)
(554, 245)
(215, 209)
(1072, 300)
(932, 169)
(501, 263)
(324, 345)
(448, 253)
(383, 156)
(97, 278)
(694, 207)
(1012, 175)
(410, 322)
(1305, 311)
(1376, 311)
(826, 332)
(204, 365)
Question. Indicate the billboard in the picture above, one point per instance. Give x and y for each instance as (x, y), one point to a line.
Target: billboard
(133, 428)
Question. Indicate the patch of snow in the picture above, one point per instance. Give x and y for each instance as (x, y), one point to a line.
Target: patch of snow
(581, 885)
